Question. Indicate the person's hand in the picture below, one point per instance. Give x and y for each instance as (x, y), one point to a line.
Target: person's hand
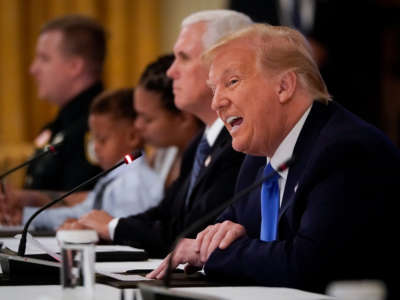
(75, 198)
(196, 252)
(10, 210)
(97, 220)
(3, 207)
(10, 216)
(71, 224)
(185, 252)
(220, 235)
(15, 218)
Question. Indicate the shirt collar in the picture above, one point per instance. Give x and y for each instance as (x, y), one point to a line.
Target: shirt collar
(285, 149)
(211, 132)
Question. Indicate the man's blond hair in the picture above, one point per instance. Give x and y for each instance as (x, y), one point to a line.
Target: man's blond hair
(277, 49)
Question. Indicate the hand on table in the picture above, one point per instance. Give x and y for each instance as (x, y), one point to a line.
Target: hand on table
(196, 252)
(97, 220)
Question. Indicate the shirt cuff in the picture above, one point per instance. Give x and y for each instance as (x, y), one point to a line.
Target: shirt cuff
(112, 225)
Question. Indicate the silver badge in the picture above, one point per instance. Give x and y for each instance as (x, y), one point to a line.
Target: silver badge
(207, 161)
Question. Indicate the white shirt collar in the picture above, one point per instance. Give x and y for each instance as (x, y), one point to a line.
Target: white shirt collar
(285, 149)
(211, 132)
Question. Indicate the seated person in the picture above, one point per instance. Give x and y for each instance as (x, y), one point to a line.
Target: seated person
(156, 116)
(128, 189)
(330, 216)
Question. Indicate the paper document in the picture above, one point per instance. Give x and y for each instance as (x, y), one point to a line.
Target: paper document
(123, 277)
(51, 244)
(108, 248)
(31, 240)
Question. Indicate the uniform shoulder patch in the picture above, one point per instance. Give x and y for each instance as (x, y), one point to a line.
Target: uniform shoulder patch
(89, 149)
(58, 138)
(43, 138)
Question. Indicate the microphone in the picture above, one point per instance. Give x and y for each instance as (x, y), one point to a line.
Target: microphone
(129, 158)
(215, 212)
(48, 149)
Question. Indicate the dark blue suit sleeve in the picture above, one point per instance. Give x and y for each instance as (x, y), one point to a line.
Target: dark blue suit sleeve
(333, 225)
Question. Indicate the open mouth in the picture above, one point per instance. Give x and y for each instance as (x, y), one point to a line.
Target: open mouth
(234, 122)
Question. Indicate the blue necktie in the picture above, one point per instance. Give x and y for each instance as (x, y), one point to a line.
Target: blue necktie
(203, 149)
(98, 200)
(269, 205)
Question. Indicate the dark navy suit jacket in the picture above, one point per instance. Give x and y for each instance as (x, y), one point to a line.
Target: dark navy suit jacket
(156, 229)
(337, 218)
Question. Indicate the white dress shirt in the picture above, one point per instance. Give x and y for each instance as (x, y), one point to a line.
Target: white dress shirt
(285, 151)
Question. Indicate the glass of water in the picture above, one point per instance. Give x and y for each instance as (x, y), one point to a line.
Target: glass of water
(77, 263)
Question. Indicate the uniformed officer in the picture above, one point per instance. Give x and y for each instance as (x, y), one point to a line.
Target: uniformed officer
(67, 67)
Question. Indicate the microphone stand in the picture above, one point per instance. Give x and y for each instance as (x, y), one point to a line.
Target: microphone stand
(129, 158)
(215, 212)
(48, 149)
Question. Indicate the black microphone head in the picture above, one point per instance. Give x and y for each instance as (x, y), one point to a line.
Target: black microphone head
(53, 147)
(287, 164)
(46, 150)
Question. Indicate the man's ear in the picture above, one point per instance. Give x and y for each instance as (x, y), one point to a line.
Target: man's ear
(286, 86)
(76, 65)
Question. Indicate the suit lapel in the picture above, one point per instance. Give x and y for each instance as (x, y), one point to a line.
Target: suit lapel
(217, 149)
(319, 115)
(185, 172)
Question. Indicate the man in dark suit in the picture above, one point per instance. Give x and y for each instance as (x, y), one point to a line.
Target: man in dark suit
(335, 211)
(210, 165)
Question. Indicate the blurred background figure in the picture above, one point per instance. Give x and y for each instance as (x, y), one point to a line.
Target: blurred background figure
(161, 125)
(160, 122)
(128, 189)
(67, 67)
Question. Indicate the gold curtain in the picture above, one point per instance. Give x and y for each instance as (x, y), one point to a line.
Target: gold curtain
(134, 40)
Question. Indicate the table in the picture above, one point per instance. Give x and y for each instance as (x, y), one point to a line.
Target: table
(53, 292)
